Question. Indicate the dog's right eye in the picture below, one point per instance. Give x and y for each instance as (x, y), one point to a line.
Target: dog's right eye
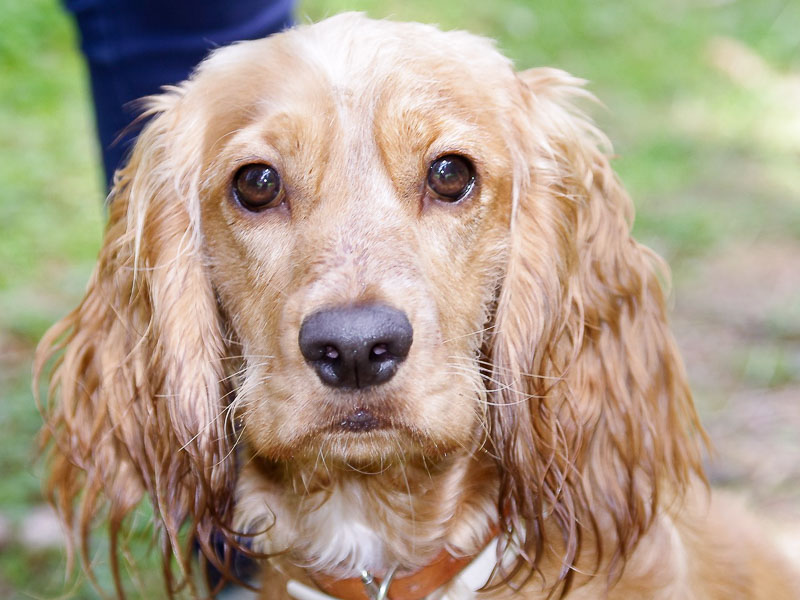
(451, 177)
(257, 187)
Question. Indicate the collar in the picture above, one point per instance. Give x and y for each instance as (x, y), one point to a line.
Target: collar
(472, 571)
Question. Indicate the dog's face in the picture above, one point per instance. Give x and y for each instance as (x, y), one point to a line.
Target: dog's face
(371, 243)
(358, 172)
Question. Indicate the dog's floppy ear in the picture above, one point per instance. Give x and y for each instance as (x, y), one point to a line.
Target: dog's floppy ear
(594, 417)
(135, 397)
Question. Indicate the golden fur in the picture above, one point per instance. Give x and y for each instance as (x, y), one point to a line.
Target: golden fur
(543, 389)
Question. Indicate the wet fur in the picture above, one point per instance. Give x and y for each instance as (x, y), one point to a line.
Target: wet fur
(543, 389)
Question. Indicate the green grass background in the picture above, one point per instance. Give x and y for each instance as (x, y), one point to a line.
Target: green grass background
(703, 106)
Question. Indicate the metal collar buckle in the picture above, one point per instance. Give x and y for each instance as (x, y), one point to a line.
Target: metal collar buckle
(374, 590)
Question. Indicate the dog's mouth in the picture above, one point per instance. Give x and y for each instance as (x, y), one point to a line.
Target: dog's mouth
(361, 420)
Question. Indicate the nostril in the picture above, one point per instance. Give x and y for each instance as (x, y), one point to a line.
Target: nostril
(379, 352)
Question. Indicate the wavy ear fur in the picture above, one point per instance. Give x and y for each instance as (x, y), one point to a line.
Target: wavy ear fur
(595, 424)
(135, 397)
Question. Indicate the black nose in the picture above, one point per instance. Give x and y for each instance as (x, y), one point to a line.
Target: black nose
(356, 346)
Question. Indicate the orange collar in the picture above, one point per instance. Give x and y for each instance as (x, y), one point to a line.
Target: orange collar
(414, 586)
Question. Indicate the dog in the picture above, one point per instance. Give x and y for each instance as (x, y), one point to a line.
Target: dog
(368, 309)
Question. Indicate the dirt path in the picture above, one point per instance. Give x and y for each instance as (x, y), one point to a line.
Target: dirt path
(737, 319)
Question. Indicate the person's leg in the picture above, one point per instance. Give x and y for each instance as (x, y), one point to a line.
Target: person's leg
(133, 47)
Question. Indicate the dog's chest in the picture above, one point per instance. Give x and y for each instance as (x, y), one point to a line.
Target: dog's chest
(339, 536)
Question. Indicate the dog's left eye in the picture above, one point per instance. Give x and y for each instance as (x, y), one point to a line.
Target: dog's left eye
(451, 177)
(257, 187)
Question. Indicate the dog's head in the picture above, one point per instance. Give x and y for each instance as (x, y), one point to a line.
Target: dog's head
(372, 242)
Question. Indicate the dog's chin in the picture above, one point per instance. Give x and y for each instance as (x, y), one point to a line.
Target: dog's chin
(366, 441)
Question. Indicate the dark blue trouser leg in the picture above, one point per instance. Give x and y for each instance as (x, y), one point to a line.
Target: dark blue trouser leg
(134, 47)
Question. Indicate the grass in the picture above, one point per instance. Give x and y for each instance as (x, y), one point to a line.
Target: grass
(701, 103)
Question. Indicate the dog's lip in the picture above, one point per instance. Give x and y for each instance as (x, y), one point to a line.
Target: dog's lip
(361, 420)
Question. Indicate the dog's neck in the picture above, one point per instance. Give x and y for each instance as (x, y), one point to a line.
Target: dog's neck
(341, 522)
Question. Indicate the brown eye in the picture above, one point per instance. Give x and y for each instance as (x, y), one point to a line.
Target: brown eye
(451, 177)
(257, 187)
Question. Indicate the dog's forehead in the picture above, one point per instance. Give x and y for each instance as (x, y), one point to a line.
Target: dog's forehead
(363, 58)
(353, 49)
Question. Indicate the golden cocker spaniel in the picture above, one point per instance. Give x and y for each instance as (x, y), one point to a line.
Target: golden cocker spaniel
(368, 308)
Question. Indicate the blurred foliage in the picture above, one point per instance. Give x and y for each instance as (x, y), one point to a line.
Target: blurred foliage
(702, 100)
(50, 191)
